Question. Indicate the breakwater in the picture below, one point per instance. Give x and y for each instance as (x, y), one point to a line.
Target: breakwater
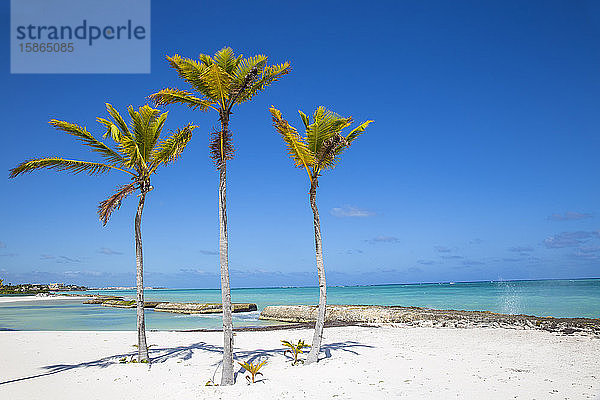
(163, 306)
(426, 317)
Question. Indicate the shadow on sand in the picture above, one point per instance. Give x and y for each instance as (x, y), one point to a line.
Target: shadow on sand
(183, 353)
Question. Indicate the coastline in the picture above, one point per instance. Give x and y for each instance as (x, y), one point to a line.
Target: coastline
(357, 362)
(26, 298)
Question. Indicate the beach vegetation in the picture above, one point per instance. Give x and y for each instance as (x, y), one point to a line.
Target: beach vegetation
(253, 369)
(138, 152)
(295, 349)
(219, 83)
(317, 150)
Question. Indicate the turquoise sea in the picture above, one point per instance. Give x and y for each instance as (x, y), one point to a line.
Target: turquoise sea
(557, 298)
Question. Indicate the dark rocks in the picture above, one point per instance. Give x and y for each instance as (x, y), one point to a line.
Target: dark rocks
(119, 303)
(181, 308)
(202, 308)
(417, 316)
(101, 299)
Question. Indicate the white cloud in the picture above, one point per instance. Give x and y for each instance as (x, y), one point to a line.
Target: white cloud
(109, 252)
(569, 216)
(350, 211)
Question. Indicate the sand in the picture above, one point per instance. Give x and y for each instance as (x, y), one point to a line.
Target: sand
(18, 299)
(385, 362)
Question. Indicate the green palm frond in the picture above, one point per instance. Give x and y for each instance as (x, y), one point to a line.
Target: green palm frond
(139, 130)
(269, 75)
(222, 80)
(127, 142)
(295, 349)
(173, 96)
(323, 144)
(205, 60)
(193, 73)
(325, 125)
(118, 119)
(112, 130)
(147, 124)
(252, 369)
(356, 132)
(225, 59)
(219, 82)
(169, 149)
(297, 148)
(87, 139)
(106, 207)
(305, 119)
(246, 65)
(139, 145)
(61, 164)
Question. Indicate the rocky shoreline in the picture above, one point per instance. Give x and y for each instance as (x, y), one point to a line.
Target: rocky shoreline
(425, 317)
(165, 306)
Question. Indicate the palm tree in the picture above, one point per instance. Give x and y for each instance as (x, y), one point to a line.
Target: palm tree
(220, 83)
(139, 152)
(318, 149)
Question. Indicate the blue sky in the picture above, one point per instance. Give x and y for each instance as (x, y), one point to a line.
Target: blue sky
(482, 162)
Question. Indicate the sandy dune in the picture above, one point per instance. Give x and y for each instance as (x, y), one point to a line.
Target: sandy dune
(358, 363)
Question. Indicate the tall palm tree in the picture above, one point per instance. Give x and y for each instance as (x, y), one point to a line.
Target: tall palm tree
(139, 152)
(221, 82)
(318, 149)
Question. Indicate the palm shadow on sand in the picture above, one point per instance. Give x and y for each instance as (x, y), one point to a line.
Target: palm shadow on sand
(183, 353)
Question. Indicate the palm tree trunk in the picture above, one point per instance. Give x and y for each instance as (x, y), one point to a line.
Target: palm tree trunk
(313, 355)
(227, 376)
(141, 325)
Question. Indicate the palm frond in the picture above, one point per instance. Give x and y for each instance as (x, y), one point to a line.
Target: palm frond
(356, 132)
(305, 119)
(330, 148)
(193, 72)
(331, 156)
(206, 60)
(112, 129)
(106, 207)
(139, 125)
(118, 119)
(151, 124)
(225, 59)
(269, 75)
(297, 148)
(61, 164)
(157, 127)
(173, 96)
(325, 125)
(323, 144)
(219, 83)
(87, 139)
(246, 65)
(169, 149)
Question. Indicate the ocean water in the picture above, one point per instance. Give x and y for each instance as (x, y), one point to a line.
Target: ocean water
(557, 298)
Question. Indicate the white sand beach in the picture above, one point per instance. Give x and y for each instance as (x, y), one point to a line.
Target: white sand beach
(19, 299)
(358, 362)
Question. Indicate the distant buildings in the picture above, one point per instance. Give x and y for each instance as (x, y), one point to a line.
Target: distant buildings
(34, 288)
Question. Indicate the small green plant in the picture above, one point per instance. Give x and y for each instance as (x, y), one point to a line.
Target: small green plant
(295, 349)
(253, 369)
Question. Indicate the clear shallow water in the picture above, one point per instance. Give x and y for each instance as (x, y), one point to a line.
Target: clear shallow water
(557, 298)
